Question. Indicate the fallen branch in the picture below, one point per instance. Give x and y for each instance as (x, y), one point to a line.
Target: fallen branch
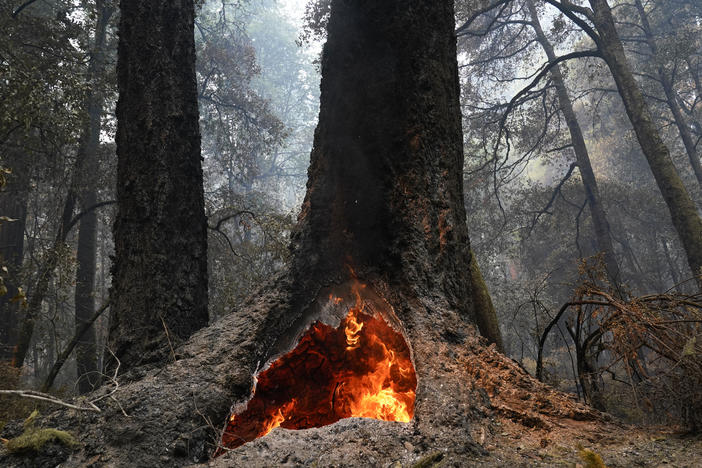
(34, 395)
(91, 406)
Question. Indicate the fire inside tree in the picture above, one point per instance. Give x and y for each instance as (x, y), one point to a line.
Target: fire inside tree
(360, 368)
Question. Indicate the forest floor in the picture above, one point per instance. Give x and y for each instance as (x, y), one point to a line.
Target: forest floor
(534, 425)
(578, 443)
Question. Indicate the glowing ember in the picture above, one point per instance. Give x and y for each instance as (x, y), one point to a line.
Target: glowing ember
(362, 368)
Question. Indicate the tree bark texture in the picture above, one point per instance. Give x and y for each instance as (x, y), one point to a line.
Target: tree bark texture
(582, 157)
(159, 293)
(685, 218)
(385, 193)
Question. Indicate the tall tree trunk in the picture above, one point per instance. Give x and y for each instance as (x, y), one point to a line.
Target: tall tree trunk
(685, 218)
(13, 204)
(670, 96)
(86, 352)
(159, 293)
(592, 193)
(385, 189)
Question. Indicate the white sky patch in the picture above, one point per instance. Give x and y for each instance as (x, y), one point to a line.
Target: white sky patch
(294, 9)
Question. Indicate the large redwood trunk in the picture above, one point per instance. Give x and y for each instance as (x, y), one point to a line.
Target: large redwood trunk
(159, 286)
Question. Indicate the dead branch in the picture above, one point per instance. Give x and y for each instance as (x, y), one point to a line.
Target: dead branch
(34, 395)
(90, 405)
(63, 357)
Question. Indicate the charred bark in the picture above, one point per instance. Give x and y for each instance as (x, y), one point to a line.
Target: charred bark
(385, 191)
(685, 218)
(592, 193)
(159, 293)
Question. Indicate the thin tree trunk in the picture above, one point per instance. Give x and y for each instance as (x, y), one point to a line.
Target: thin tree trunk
(670, 96)
(685, 218)
(46, 271)
(592, 193)
(13, 204)
(86, 352)
(159, 292)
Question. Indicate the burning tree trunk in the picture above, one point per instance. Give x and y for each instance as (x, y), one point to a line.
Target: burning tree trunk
(385, 191)
(385, 205)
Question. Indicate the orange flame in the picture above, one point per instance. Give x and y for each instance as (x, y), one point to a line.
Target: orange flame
(360, 369)
(351, 330)
(277, 419)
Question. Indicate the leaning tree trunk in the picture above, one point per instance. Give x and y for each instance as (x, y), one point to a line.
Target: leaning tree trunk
(159, 292)
(671, 97)
(582, 157)
(383, 218)
(686, 220)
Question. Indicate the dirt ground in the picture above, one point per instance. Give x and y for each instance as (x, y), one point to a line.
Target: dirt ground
(510, 443)
(523, 423)
(534, 425)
